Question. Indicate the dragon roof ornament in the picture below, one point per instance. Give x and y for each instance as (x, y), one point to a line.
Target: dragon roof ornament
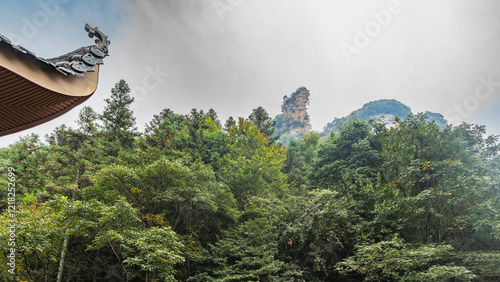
(78, 62)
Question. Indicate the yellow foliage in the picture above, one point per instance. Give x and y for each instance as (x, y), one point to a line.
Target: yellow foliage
(426, 165)
(158, 219)
(450, 161)
(135, 190)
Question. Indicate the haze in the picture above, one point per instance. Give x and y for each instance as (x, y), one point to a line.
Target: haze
(234, 56)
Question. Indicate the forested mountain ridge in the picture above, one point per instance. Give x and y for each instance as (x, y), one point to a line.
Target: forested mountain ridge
(293, 122)
(386, 110)
(194, 199)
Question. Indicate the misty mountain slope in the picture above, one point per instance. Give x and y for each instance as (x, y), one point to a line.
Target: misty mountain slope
(386, 110)
(293, 122)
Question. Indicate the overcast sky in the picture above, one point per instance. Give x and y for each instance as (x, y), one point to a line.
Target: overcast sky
(235, 55)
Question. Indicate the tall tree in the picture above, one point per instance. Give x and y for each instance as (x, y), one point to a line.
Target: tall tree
(253, 167)
(213, 115)
(229, 122)
(87, 120)
(299, 158)
(190, 137)
(118, 119)
(264, 122)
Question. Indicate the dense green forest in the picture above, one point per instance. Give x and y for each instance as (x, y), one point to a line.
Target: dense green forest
(195, 199)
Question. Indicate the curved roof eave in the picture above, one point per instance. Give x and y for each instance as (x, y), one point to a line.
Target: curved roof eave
(34, 90)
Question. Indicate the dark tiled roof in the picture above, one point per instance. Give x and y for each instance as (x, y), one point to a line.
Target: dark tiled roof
(77, 62)
(34, 90)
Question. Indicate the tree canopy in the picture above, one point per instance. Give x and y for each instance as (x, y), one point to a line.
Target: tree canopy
(191, 199)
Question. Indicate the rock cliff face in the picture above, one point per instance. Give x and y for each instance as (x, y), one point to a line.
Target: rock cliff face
(295, 108)
(293, 123)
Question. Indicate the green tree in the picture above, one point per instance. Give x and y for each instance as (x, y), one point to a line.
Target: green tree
(213, 115)
(87, 121)
(262, 120)
(72, 158)
(299, 159)
(442, 185)
(28, 156)
(348, 160)
(395, 260)
(325, 232)
(118, 120)
(105, 242)
(229, 122)
(168, 193)
(246, 253)
(191, 137)
(252, 167)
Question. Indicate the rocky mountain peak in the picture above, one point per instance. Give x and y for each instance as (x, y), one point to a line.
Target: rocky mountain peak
(293, 122)
(294, 108)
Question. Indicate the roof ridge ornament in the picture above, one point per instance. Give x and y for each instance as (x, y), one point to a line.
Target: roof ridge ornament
(101, 41)
(84, 59)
